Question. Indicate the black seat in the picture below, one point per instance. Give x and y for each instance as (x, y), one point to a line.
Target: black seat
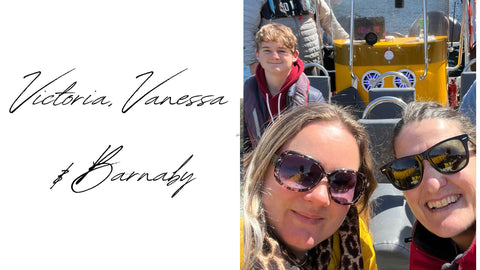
(392, 220)
(322, 83)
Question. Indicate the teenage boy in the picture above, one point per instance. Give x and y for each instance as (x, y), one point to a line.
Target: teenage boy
(304, 17)
(278, 84)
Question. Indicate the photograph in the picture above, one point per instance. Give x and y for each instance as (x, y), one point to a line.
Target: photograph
(358, 125)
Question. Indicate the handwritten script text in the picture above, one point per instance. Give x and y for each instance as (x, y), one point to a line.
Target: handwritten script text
(102, 170)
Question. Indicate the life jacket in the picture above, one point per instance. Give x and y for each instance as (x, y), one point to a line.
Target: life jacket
(273, 9)
(255, 109)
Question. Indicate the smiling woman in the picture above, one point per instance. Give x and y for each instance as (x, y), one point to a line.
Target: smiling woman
(435, 168)
(306, 193)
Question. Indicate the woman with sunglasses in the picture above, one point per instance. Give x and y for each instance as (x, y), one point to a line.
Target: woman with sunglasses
(435, 168)
(306, 193)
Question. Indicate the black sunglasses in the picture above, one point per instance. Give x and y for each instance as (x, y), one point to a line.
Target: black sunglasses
(448, 157)
(299, 172)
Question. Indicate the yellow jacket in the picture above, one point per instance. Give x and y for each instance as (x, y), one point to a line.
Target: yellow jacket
(366, 243)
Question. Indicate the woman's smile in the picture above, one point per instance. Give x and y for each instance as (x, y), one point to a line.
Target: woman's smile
(307, 218)
(440, 204)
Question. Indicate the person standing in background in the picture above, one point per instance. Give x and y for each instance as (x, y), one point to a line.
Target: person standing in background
(301, 16)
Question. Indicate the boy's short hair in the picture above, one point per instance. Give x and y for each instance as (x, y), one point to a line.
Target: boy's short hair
(275, 32)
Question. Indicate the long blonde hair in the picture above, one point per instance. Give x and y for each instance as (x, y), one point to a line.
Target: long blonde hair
(258, 161)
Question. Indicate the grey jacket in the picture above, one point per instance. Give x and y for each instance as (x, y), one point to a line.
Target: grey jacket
(256, 108)
(303, 27)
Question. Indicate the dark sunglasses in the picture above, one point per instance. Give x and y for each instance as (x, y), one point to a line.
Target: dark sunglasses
(299, 172)
(448, 157)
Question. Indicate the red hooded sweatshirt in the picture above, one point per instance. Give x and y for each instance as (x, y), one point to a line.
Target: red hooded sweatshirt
(277, 103)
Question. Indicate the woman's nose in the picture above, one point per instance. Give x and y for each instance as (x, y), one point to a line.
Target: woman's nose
(432, 179)
(319, 195)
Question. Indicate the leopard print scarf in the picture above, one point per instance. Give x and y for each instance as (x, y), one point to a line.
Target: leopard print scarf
(275, 255)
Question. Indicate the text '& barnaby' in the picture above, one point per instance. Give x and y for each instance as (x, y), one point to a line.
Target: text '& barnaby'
(102, 171)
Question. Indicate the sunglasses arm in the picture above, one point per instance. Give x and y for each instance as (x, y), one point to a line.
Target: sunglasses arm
(275, 159)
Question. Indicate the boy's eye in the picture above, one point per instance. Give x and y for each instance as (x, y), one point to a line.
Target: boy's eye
(278, 51)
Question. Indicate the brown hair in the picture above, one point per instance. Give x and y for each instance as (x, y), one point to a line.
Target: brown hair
(275, 32)
(417, 111)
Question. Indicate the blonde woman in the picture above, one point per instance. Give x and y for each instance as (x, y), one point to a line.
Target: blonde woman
(306, 193)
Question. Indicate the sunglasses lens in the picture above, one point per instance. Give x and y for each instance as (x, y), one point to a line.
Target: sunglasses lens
(298, 173)
(405, 173)
(449, 157)
(345, 186)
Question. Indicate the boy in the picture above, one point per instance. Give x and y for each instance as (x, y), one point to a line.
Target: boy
(279, 82)
(304, 17)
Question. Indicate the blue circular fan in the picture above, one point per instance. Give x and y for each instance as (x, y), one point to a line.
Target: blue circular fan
(369, 77)
(397, 82)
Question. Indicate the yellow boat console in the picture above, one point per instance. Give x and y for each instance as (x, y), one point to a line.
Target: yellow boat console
(402, 54)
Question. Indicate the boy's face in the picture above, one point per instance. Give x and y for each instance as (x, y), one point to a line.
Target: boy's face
(275, 58)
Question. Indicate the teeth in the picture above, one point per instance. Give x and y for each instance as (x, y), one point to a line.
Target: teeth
(443, 203)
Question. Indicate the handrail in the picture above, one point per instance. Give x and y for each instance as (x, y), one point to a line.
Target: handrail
(350, 61)
(380, 100)
(392, 73)
(471, 62)
(466, 18)
(317, 65)
(462, 30)
(425, 41)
